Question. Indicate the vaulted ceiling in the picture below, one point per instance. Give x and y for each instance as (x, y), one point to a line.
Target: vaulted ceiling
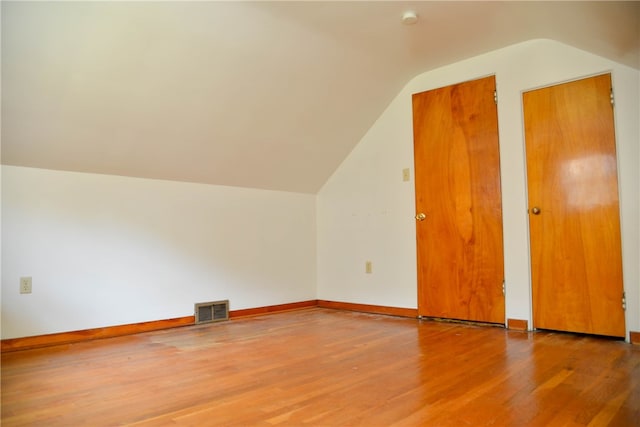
(260, 94)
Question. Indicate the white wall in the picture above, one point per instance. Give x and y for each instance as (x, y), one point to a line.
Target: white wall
(109, 250)
(365, 211)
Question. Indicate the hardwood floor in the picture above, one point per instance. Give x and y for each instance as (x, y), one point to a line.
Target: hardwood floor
(328, 368)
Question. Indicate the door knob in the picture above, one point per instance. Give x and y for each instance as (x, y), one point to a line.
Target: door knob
(535, 210)
(421, 216)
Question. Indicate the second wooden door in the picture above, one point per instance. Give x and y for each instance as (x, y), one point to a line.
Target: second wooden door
(574, 219)
(458, 202)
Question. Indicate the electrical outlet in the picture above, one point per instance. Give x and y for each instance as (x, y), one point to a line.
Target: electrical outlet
(406, 174)
(368, 267)
(25, 285)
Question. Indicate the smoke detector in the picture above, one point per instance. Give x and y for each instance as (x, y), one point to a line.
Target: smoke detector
(409, 17)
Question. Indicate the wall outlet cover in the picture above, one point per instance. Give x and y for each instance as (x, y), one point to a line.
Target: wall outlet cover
(25, 285)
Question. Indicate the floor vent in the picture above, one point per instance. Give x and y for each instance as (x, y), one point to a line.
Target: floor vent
(212, 311)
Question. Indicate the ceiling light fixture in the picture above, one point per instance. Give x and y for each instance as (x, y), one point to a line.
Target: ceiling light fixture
(409, 17)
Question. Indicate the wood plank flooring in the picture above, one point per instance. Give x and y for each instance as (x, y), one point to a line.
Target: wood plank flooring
(326, 367)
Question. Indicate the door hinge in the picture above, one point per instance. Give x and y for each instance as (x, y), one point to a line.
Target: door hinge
(611, 97)
(495, 96)
(624, 301)
(504, 288)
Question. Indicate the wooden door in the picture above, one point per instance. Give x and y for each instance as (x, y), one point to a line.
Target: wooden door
(574, 222)
(457, 173)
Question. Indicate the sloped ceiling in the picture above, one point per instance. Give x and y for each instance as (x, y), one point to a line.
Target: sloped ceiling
(264, 94)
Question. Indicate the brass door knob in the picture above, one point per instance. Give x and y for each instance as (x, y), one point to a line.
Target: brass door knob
(535, 210)
(421, 216)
